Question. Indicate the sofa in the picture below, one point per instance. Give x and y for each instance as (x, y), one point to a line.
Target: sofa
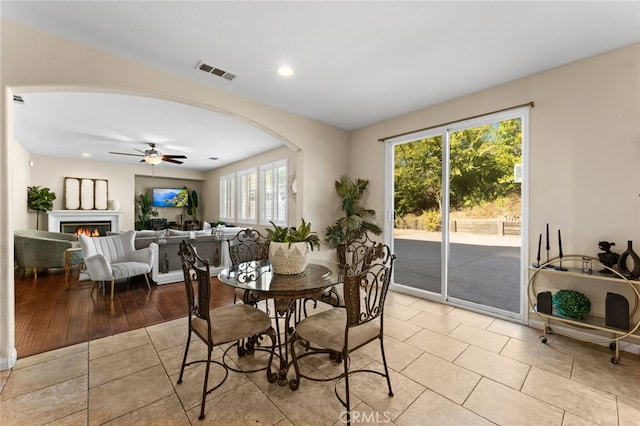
(35, 249)
(165, 244)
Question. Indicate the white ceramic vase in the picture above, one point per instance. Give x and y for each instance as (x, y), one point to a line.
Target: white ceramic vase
(289, 258)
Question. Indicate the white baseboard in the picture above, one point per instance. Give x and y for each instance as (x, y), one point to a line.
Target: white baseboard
(8, 363)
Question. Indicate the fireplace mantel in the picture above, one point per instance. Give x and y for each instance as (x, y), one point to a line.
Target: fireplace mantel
(58, 216)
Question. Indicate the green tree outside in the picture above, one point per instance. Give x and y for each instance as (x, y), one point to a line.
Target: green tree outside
(482, 161)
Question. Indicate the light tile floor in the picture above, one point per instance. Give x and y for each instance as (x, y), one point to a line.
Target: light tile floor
(449, 367)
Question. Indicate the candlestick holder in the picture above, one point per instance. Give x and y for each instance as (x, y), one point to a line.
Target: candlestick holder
(559, 267)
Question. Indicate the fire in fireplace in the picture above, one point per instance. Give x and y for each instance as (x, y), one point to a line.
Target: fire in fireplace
(91, 229)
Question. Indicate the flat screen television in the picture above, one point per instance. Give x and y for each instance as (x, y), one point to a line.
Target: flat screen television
(170, 197)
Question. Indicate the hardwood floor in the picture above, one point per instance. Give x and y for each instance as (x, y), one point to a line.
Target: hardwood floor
(49, 317)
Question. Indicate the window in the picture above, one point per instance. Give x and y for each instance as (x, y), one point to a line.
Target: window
(246, 196)
(273, 193)
(240, 201)
(228, 197)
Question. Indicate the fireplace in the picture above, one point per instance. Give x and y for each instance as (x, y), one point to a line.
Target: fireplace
(58, 218)
(89, 228)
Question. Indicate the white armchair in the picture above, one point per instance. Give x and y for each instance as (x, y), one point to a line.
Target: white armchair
(114, 257)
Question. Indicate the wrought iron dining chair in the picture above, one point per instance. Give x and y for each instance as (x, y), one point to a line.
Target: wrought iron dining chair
(343, 330)
(215, 327)
(352, 259)
(248, 245)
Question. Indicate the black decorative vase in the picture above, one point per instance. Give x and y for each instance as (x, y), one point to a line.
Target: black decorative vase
(634, 272)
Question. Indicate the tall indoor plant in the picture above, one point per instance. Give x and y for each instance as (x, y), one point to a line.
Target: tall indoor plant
(192, 206)
(40, 200)
(289, 248)
(357, 219)
(145, 211)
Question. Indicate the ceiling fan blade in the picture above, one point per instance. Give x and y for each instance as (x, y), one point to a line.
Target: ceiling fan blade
(169, 160)
(126, 153)
(174, 156)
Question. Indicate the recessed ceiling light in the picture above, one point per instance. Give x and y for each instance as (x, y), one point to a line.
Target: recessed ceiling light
(285, 71)
(86, 154)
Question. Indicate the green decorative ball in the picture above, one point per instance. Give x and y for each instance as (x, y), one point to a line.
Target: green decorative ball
(572, 303)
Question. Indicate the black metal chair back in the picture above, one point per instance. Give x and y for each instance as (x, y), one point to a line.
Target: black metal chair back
(248, 245)
(355, 256)
(196, 271)
(365, 291)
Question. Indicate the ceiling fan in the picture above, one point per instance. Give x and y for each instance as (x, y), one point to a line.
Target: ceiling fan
(153, 156)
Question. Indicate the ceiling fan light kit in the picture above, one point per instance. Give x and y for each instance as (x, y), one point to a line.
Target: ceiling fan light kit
(153, 156)
(153, 160)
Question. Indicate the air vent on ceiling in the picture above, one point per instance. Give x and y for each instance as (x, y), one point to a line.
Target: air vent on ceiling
(215, 71)
(18, 99)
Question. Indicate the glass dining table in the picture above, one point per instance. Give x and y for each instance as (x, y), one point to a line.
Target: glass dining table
(257, 278)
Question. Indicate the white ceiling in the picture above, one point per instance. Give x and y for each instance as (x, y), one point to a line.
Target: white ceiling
(355, 63)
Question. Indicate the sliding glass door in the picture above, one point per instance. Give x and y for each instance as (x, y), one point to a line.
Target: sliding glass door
(417, 236)
(458, 216)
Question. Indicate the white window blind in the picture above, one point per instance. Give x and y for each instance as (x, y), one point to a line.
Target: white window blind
(228, 197)
(247, 196)
(273, 193)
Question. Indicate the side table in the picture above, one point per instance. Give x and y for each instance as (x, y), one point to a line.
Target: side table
(72, 257)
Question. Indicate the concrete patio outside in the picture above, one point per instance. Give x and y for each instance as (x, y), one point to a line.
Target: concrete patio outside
(484, 269)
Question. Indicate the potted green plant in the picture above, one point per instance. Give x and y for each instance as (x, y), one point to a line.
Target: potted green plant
(192, 206)
(289, 248)
(357, 220)
(40, 200)
(145, 211)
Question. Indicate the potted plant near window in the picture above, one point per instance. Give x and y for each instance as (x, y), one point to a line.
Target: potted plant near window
(40, 200)
(289, 248)
(357, 220)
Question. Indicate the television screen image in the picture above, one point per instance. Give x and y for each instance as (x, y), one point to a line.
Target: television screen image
(170, 197)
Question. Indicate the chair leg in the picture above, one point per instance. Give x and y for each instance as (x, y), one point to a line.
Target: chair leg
(146, 277)
(113, 282)
(184, 359)
(206, 381)
(386, 370)
(345, 363)
(95, 284)
(35, 274)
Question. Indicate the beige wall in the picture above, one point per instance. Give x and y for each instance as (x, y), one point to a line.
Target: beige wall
(72, 66)
(584, 150)
(22, 180)
(51, 171)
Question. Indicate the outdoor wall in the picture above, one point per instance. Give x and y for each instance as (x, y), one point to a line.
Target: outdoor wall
(74, 67)
(584, 151)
